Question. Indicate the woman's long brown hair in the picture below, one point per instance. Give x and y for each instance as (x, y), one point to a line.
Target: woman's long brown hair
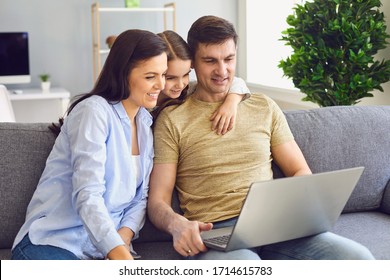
(130, 48)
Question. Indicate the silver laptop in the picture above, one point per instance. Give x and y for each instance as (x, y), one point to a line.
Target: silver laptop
(287, 208)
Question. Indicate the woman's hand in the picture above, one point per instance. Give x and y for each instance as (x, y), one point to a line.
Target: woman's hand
(120, 253)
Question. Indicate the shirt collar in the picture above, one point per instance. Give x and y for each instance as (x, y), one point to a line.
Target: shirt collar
(142, 115)
(120, 110)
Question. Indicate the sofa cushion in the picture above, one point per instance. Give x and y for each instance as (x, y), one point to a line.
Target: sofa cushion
(156, 251)
(368, 228)
(386, 199)
(339, 137)
(23, 149)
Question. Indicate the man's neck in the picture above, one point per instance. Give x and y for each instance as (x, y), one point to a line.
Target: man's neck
(209, 97)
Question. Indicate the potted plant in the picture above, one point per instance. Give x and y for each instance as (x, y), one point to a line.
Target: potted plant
(45, 82)
(334, 43)
(131, 3)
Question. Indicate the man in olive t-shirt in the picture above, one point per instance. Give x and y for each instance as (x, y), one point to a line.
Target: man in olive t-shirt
(212, 172)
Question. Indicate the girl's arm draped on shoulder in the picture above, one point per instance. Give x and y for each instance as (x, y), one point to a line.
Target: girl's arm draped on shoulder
(224, 117)
(239, 87)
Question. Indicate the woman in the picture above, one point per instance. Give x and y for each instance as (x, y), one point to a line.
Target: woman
(178, 86)
(91, 199)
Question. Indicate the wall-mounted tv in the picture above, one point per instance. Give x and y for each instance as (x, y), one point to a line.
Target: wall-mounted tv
(14, 58)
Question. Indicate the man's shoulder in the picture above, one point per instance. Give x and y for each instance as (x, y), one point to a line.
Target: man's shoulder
(174, 111)
(175, 108)
(261, 99)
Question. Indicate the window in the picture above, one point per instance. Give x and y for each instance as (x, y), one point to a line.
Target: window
(260, 26)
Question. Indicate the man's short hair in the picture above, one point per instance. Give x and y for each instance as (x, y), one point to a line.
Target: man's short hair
(210, 30)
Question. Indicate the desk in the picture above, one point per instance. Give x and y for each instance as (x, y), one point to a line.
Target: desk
(32, 105)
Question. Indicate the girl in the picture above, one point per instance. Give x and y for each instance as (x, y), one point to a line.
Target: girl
(177, 85)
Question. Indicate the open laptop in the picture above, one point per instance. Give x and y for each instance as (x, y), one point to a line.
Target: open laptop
(287, 208)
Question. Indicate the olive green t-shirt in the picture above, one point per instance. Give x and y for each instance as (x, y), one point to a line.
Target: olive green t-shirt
(215, 171)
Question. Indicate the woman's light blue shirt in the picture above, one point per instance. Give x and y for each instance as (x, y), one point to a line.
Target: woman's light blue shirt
(88, 189)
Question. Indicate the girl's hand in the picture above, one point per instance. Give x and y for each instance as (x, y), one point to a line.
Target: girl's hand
(224, 117)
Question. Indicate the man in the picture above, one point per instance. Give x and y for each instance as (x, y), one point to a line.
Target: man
(212, 172)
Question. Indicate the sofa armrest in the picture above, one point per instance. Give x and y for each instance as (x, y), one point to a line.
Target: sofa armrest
(385, 206)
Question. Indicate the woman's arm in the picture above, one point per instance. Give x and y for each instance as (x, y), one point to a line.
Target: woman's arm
(122, 252)
(87, 136)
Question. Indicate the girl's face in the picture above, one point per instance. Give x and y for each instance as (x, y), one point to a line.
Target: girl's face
(177, 77)
(147, 80)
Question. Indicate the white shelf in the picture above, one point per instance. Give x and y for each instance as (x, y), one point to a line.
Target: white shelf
(37, 94)
(136, 10)
(104, 51)
(96, 10)
(34, 105)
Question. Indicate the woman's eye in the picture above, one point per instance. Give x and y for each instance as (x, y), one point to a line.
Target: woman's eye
(149, 77)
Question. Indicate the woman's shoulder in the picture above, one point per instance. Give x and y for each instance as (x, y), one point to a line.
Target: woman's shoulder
(94, 102)
(92, 108)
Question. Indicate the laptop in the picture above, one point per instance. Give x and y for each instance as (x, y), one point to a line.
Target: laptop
(287, 208)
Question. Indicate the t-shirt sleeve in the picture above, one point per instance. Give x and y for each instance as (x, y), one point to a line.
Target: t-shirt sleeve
(280, 132)
(166, 148)
(239, 87)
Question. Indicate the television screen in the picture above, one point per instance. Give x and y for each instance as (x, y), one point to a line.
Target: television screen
(14, 58)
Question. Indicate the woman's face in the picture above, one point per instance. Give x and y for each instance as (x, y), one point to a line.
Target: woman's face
(177, 77)
(147, 80)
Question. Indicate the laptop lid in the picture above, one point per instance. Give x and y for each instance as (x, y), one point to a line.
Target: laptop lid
(290, 208)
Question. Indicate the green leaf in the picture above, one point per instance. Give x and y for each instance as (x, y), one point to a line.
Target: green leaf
(334, 45)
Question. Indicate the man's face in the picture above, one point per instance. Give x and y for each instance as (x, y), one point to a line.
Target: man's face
(215, 67)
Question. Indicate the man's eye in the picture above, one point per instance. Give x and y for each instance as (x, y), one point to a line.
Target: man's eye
(169, 78)
(149, 77)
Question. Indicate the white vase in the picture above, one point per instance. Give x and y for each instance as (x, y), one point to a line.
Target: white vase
(45, 86)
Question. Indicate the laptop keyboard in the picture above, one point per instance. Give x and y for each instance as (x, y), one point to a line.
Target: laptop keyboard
(219, 240)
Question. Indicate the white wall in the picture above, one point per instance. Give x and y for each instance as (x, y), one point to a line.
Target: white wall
(61, 37)
(61, 34)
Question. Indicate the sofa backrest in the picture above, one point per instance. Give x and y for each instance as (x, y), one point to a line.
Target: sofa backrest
(24, 149)
(333, 138)
(330, 138)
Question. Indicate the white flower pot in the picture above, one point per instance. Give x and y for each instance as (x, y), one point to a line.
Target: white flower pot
(45, 87)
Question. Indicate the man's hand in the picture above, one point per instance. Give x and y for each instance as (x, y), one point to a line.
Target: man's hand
(186, 236)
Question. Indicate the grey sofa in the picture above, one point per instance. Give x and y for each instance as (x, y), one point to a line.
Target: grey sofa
(330, 138)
